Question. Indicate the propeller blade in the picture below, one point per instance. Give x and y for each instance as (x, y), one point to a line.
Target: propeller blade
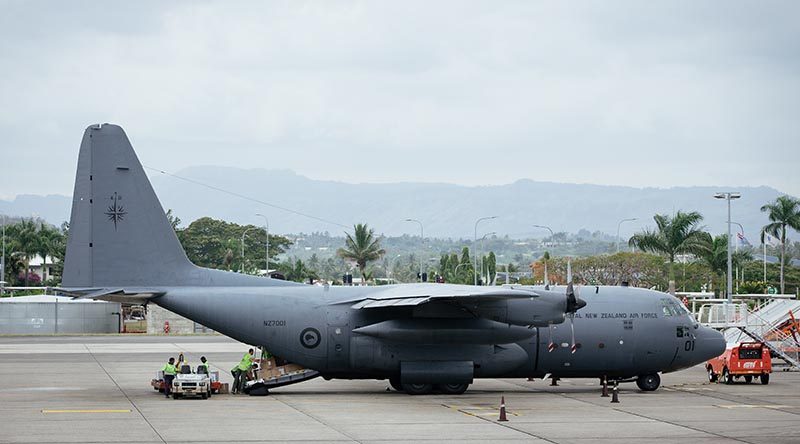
(574, 347)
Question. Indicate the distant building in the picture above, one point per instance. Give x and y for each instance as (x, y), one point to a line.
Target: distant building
(43, 268)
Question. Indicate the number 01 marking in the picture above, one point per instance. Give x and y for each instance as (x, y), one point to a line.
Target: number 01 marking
(688, 346)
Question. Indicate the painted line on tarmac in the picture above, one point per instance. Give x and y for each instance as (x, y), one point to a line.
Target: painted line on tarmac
(87, 411)
(138, 410)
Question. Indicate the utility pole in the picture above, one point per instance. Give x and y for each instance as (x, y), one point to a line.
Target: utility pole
(546, 282)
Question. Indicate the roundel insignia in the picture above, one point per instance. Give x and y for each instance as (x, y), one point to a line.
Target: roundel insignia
(310, 337)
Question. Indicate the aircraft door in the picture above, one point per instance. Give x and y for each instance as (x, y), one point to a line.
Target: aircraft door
(338, 341)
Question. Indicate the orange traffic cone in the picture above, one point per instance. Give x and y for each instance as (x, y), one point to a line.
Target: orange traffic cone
(605, 388)
(502, 417)
(615, 393)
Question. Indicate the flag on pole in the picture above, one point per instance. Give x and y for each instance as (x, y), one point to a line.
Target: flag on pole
(743, 240)
(771, 240)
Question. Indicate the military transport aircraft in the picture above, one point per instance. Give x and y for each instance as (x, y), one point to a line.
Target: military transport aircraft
(421, 337)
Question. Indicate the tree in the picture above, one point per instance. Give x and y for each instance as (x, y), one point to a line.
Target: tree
(783, 212)
(362, 247)
(216, 243)
(715, 257)
(679, 234)
(48, 242)
(174, 220)
(24, 243)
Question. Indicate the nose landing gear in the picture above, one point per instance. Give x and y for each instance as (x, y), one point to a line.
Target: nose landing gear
(648, 383)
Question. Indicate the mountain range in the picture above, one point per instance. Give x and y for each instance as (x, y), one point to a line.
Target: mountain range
(446, 210)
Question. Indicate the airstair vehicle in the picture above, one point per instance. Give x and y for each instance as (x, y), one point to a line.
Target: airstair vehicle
(773, 323)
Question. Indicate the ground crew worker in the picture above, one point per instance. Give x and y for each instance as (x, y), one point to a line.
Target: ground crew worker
(241, 369)
(169, 375)
(204, 364)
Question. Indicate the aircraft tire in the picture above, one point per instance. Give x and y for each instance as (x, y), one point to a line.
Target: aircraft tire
(452, 389)
(648, 383)
(395, 383)
(765, 378)
(748, 379)
(418, 389)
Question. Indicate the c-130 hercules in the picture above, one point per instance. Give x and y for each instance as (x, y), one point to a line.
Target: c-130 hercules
(421, 337)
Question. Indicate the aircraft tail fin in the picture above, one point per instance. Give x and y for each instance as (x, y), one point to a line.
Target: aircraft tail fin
(119, 234)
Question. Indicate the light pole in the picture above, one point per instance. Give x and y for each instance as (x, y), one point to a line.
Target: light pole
(266, 230)
(475, 244)
(741, 231)
(422, 240)
(482, 238)
(546, 283)
(729, 196)
(241, 268)
(619, 224)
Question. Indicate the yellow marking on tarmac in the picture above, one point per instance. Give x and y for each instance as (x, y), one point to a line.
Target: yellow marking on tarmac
(754, 406)
(87, 411)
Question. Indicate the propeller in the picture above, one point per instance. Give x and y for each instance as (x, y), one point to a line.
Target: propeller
(574, 304)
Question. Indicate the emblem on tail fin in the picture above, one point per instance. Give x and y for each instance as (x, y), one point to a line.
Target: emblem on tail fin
(116, 212)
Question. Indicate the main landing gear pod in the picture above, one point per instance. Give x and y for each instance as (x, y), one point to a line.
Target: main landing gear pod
(423, 377)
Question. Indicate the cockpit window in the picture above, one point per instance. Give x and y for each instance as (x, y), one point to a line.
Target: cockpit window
(673, 307)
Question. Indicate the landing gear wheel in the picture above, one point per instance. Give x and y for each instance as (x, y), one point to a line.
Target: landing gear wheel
(765, 378)
(452, 389)
(418, 389)
(712, 377)
(648, 383)
(395, 383)
(748, 379)
(727, 378)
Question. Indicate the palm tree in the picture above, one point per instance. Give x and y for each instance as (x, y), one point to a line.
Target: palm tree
(716, 257)
(24, 243)
(679, 234)
(362, 247)
(783, 212)
(47, 239)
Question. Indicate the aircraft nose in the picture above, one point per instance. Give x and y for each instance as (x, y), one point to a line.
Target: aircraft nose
(711, 343)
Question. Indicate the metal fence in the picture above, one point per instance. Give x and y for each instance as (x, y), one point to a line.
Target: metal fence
(47, 318)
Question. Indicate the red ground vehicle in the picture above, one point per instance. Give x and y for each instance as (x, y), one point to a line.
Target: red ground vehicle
(747, 359)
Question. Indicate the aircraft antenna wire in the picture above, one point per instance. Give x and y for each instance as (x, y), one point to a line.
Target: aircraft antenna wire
(251, 199)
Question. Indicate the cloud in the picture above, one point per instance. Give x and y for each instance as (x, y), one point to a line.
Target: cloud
(635, 93)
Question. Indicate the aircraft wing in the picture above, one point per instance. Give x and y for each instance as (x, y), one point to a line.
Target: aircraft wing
(125, 295)
(405, 297)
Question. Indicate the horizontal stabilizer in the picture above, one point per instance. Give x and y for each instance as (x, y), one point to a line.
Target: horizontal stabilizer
(123, 295)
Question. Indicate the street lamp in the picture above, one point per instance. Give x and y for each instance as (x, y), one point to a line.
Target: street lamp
(241, 268)
(475, 243)
(266, 229)
(546, 282)
(619, 224)
(741, 231)
(422, 240)
(729, 196)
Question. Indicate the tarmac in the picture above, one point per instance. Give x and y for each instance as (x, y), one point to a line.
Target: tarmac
(95, 389)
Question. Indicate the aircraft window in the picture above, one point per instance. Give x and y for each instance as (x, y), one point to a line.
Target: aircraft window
(665, 308)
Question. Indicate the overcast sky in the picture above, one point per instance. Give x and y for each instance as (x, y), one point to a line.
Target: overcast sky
(638, 93)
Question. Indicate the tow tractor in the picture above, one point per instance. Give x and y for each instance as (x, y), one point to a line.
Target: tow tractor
(744, 360)
(187, 383)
